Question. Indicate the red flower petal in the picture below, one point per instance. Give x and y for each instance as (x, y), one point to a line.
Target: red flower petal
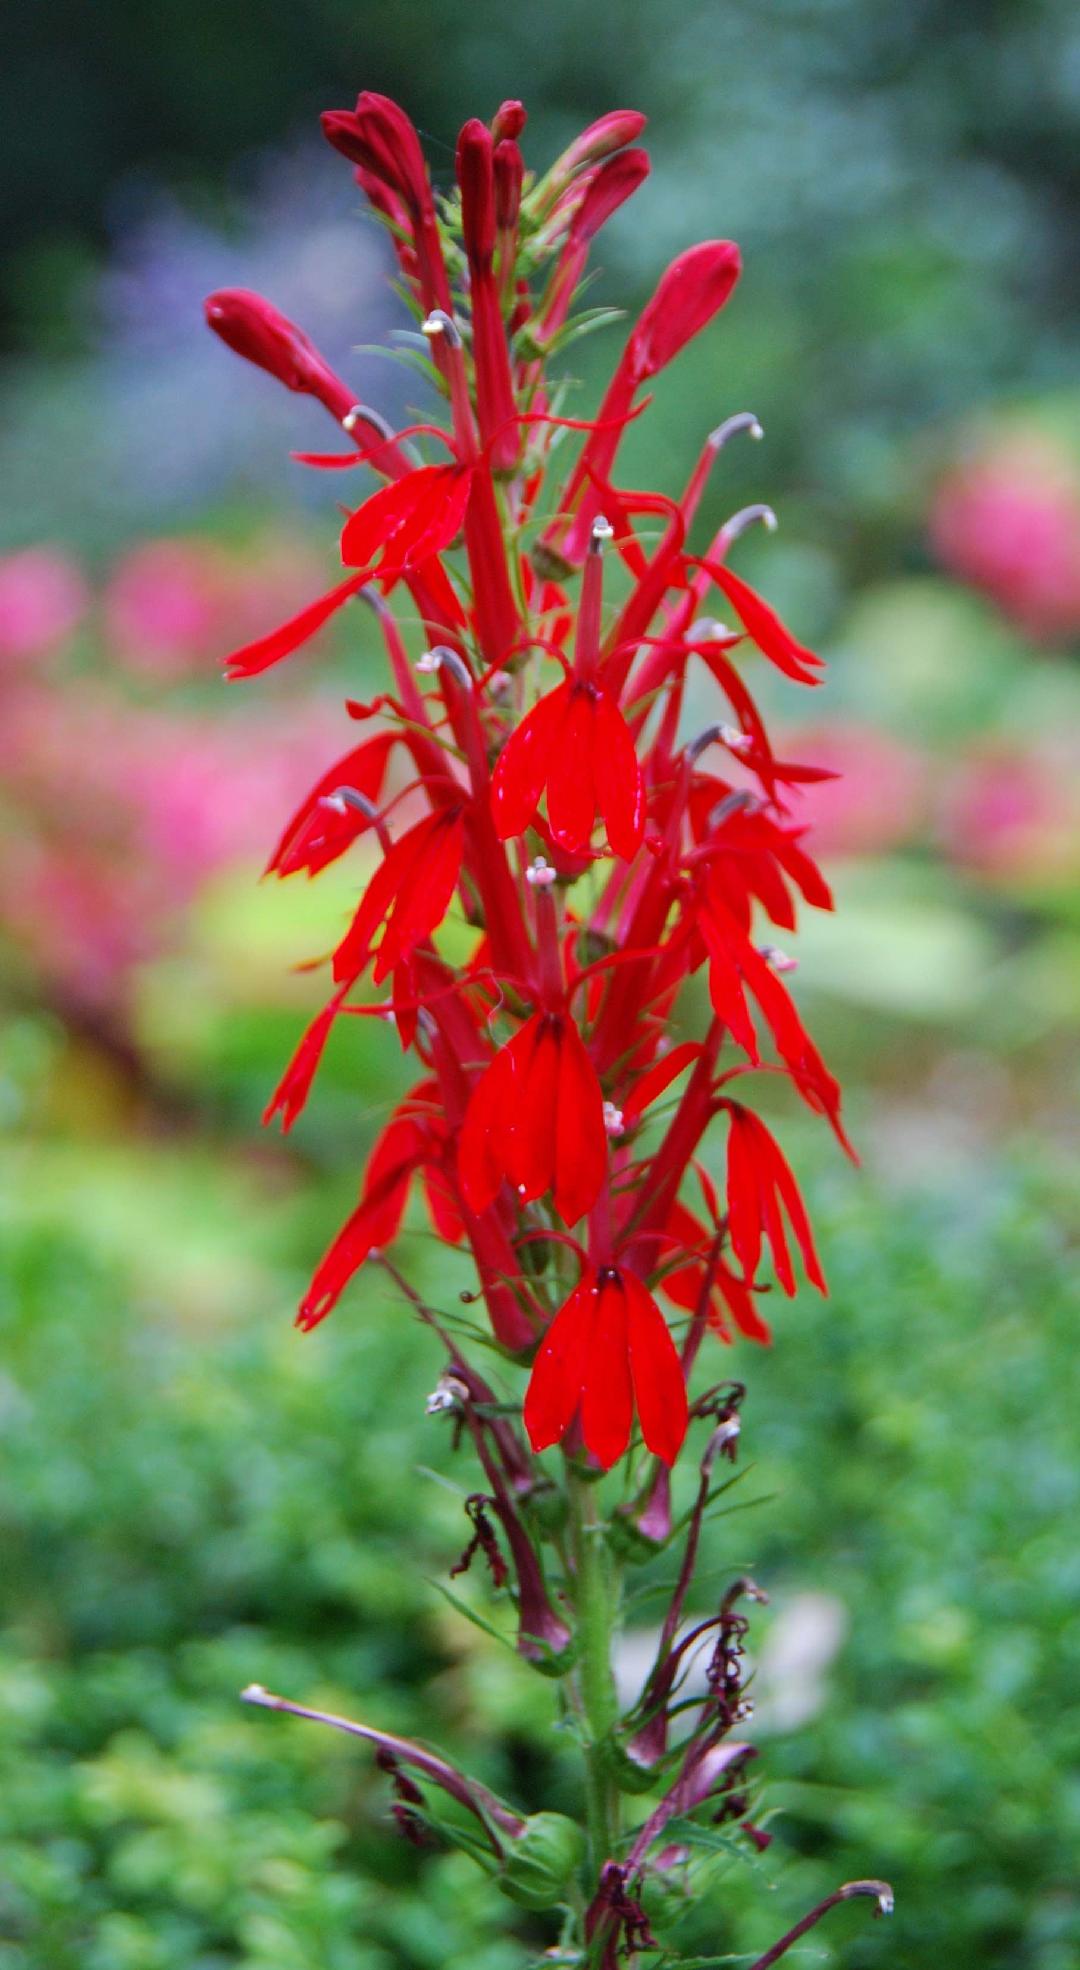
(607, 1402)
(290, 1096)
(571, 794)
(580, 1161)
(658, 1077)
(521, 769)
(481, 1144)
(410, 893)
(656, 1371)
(620, 786)
(768, 632)
(268, 650)
(426, 890)
(554, 1391)
(529, 1126)
(373, 1224)
(411, 518)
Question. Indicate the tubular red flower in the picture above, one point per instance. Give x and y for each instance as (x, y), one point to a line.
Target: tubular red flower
(575, 743)
(693, 290)
(326, 824)
(496, 407)
(536, 1119)
(759, 1182)
(407, 897)
(509, 119)
(609, 133)
(607, 1351)
(380, 139)
(411, 1140)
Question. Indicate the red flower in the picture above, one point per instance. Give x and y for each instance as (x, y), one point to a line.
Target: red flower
(409, 520)
(704, 1266)
(413, 1139)
(408, 896)
(608, 1350)
(576, 743)
(759, 1182)
(381, 141)
(327, 823)
(495, 402)
(536, 1117)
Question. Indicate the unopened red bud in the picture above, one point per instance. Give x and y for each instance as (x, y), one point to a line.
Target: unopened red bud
(509, 168)
(379, 136)
(264, 336)
(509, 120)
(614, 183)
(475, 175)
(694, 289)
(609, 133)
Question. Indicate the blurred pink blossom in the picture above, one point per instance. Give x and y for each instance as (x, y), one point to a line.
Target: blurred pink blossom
(43, 597)
(166, 606)
(173, 606)
(879, 798)
(1013, 814)
(1008, 522)
(115, 815)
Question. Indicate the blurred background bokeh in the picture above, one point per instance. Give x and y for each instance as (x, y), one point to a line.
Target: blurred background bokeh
(191, 1495)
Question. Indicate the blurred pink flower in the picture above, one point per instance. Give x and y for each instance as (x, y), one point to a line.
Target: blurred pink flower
(116, 815)
(1008, 522)
(879, 798)
(173, 606)
(43, 597)
(1013, 814)
(167, 607)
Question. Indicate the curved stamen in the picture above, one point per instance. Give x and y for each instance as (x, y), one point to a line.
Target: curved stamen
(442, 657)
(747, 516)
(710, 737)
(343, 798)
(744, 420)
(440, 323)
(363, 414)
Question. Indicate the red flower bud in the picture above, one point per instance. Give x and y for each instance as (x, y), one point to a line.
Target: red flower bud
(509, 120)
(615, 181)
(509, 175)
(476, 179)
(607, 134)
(256, 330)
(379, 136)
(693, 290)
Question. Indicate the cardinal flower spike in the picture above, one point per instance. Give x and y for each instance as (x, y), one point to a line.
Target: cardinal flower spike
(567, 901)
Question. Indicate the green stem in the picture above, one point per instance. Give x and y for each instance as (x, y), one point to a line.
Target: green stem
(594, 1599)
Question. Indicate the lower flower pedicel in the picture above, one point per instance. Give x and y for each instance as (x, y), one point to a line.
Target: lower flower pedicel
(529, 935)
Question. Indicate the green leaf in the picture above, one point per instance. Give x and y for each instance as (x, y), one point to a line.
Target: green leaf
(471, 1614)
